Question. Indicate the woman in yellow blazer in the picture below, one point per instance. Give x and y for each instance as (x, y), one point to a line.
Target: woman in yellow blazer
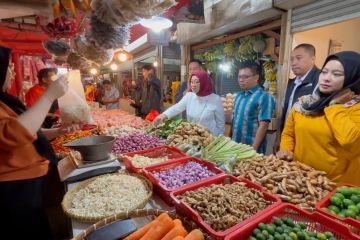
(323, 129)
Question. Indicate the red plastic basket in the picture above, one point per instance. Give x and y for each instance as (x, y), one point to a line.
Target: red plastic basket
(352, 223)
(315, 222)
(164, 151)
(162, 190)
(186, 210)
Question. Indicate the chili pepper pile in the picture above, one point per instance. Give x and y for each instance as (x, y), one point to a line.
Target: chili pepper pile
(58, 142)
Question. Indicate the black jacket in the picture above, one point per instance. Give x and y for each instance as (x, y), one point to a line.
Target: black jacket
(306, 87)
(150, 97)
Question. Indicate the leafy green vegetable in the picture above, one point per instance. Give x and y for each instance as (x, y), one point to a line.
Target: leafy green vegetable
(165, 128)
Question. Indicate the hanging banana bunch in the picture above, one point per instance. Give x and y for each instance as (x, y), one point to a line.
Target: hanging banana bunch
(270, 71)
(212, 67)
(69, 7)
(199, 56)
(56, 8)
(245, 51)
(271, 75)
(85, 4)
(229, 49)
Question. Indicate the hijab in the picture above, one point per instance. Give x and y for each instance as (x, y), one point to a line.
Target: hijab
(206, 87)
(41, 144)
(315, 103)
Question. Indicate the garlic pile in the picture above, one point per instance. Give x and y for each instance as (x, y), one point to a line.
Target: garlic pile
(228, 102)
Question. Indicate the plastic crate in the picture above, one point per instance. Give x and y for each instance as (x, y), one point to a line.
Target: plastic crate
(164, 151)
(352, 223)
(315, 222)
(186, 210)
(162, 190)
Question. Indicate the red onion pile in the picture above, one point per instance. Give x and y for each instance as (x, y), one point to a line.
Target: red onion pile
(183, 174)
(136, 142)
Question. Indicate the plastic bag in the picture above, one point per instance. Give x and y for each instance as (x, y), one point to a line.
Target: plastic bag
(73, 106)
(228, 164)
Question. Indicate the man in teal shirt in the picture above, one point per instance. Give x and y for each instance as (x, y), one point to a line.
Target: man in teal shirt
(253, 109)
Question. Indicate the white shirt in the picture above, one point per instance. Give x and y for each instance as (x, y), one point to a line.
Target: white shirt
(298, 82)
(111, 94)
(207, 111)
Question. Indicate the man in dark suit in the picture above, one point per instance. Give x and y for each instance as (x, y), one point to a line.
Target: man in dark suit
(302, 61)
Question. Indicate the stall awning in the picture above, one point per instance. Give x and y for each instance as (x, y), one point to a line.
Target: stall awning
(24, 42)
(227, 16)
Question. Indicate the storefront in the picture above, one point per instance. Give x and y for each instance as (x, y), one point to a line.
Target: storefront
(256, 32)
(331, 26)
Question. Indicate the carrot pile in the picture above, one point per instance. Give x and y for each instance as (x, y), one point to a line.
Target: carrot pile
(165, 228)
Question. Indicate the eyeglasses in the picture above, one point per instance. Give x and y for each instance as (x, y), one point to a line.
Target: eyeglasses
(245, 76)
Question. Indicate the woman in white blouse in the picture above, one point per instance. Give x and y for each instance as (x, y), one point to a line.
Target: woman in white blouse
(201, 105)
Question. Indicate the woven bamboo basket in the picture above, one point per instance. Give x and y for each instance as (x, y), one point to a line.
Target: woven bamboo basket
(188, 224)
(66, 203)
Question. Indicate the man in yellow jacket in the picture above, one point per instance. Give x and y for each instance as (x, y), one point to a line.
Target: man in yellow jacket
(323, 129)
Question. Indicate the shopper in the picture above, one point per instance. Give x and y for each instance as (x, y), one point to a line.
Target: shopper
(201, 105)
(45, 76)
(98, 94)
(323, 129)
(253, 109)
(25, 157)
(150, 92)
(111, 96)
(302, 62)
(194, 65)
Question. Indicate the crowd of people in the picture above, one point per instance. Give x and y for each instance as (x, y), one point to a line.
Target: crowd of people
(320, 122)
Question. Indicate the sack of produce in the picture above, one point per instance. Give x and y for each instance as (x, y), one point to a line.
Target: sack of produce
(57, 47)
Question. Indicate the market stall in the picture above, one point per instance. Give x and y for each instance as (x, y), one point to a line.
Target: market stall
(126, 179)
(181, 183)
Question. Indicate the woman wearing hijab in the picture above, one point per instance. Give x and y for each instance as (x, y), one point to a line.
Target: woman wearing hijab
(323, 130)
(25, 156)
(202, 106)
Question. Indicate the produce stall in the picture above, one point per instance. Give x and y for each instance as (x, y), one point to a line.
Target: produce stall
(178, 181)
(220, 186)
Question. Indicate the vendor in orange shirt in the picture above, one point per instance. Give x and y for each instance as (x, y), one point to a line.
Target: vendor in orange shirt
(323, 129)
(45, 76)
(90, 92)
(25, 156)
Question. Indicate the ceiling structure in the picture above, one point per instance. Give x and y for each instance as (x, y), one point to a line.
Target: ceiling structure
(19, 31)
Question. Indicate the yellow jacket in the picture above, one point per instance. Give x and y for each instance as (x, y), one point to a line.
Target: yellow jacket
(329, 142)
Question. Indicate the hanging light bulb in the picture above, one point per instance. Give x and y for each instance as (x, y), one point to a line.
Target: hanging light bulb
(113, 67)
(157, 24)
(155, 64)
(122, 57)
(93, 71)
(225, 67)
